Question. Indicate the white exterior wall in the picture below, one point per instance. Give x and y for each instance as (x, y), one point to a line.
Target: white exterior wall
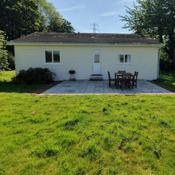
(144, 59)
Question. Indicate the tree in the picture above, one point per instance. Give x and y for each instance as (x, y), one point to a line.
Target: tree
(3, 52)
(21, 17)
(53, 20)
(155, 18)
(59, 25)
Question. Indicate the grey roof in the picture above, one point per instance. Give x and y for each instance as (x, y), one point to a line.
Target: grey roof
(91, 38)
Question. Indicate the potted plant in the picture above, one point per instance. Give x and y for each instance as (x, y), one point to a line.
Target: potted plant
(72, 75)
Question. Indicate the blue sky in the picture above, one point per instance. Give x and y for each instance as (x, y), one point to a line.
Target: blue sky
(83, 13)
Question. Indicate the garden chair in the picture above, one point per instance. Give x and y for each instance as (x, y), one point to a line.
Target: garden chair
(135, 79)
(121, 72)
(110, 80)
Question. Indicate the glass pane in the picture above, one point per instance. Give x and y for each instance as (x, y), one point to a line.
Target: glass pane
(56, 56)
(48, 56)
(97, 58)
(121, 58)
(126, 58)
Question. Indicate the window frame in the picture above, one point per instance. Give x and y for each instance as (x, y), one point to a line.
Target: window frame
(129, 58)
(45, 56)
(52, 57)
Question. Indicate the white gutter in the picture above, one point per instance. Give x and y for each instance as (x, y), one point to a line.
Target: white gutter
(11, 43)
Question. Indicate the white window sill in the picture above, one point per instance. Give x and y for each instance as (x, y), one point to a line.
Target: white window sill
(125, 63)
(52, 63)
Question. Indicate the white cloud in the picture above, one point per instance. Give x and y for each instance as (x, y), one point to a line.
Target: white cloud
(73, 8)
(109, 14)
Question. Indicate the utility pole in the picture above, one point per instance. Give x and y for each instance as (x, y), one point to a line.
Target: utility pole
(94, 27)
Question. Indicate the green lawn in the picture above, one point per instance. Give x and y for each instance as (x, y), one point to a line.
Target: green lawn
(94, 135)
(167, 80)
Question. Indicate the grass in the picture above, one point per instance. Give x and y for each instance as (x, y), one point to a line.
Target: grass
(167, 80)
(6, 84)
(78, 135)
(132, 135)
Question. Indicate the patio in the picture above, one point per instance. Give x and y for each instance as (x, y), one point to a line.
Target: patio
(101, 87)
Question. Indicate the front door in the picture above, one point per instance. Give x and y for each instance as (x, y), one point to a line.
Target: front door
(96, 64)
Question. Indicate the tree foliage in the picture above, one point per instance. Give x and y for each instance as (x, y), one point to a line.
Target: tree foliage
(3, 52)
(155, 18)
(21, 17)
(53, 21)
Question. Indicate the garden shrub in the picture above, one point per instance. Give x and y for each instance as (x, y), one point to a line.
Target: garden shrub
(166, 65)
(3, 52)
(35, 76)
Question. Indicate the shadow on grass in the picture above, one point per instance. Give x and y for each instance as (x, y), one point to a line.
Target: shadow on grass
(8, 86)
(167, 81)
(11, 87)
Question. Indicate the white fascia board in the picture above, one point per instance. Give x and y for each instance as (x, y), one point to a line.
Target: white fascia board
(81, 44)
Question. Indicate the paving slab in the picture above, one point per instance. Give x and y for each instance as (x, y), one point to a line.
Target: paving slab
(101, 87)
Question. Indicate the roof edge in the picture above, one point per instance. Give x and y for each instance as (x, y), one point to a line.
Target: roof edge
(79, 44)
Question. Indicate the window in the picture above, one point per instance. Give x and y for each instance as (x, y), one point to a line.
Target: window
(52, 56)
(48, 56)
(96, 58)
(125, 59)
(56, 56)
